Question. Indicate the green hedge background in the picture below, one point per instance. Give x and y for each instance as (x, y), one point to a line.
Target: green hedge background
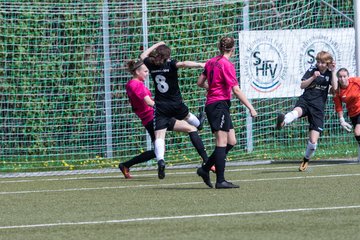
(52, 79)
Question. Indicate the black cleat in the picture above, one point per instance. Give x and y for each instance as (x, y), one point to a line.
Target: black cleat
(161, 169)
(205, 176)
(202, 117)
(125, 171)
(225, 184)
(280, 121)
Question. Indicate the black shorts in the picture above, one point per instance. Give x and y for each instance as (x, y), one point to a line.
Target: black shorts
(218, 115)
(355, 120)
(150, 128)
(315, 115)
(167, 114)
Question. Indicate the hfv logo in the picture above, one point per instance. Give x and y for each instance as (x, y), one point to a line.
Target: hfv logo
(264, 67)
(266, 64)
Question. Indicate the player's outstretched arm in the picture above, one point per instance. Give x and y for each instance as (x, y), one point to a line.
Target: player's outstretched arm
(241, 96)
(190, 64)
(146, 53)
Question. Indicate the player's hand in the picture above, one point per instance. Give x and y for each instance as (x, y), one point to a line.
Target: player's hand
(253, 113)
(316, 74)
(332, 66)
(345, 125)
(332, 91)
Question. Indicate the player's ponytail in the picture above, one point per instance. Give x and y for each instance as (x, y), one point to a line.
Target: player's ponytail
(226, 44)
(160, 55)
(132, 66)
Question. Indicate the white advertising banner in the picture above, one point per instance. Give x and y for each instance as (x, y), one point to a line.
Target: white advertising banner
(272, 63)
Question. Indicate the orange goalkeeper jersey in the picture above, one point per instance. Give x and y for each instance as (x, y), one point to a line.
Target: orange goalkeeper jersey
(350, 96)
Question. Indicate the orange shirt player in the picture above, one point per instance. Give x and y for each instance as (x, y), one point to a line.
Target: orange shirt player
(349, 93)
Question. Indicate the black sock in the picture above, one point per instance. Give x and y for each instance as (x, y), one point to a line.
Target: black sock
(209, 163)
(199, 145)
(219, 158)
(143, 157)
(228, 148)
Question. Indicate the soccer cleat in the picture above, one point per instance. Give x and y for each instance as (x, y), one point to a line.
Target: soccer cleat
(202, 117)
(280, 121)
(205, 176)
(161, 169)
(213, 169)
(304, 165)
(225, 184)
(125, 171)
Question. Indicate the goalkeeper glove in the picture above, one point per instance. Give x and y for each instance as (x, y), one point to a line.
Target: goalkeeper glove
(345, 125)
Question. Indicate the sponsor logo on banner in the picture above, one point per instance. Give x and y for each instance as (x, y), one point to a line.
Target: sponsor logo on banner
(272, 62)
(312, 46)
(266, 64)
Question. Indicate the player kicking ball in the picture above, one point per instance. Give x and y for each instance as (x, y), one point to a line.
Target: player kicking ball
(315, 82)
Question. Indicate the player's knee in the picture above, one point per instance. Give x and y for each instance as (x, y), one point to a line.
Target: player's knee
(232, 142)
(191, 128)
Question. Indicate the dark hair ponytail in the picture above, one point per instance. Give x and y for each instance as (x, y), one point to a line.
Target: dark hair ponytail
(132, 66)
(226, 44)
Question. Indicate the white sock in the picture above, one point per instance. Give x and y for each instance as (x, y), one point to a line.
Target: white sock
(193, 120)
(290, 116)
(310, 150)
(159, 149)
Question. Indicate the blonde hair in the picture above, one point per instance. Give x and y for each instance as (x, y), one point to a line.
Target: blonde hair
(324, 57)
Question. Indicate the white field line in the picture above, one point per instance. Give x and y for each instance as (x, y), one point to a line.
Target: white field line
(46, 225)
(155, 174)
(175, 184)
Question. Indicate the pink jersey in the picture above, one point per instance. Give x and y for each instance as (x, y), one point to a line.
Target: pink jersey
(137, 91)
(221, 77)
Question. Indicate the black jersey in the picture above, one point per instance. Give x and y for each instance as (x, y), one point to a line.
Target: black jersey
(317, 92)
(166, 81)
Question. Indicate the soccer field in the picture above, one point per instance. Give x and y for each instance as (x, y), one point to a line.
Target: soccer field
(274, 201)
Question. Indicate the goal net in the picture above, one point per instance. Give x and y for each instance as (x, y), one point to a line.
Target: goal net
(63, 74)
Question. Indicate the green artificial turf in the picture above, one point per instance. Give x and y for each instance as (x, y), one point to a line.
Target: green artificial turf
(274, 201)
